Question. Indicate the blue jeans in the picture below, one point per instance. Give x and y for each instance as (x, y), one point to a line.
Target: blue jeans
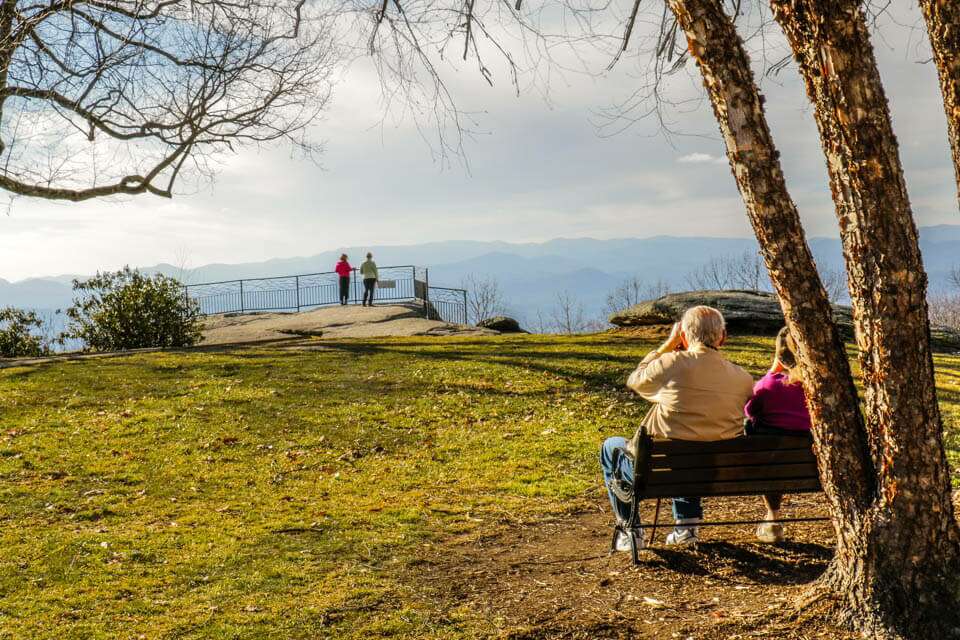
(683, 508)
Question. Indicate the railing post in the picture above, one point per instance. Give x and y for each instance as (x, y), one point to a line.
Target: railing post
(426, 292)
(241, 296)
(465, 318)
(298, 292)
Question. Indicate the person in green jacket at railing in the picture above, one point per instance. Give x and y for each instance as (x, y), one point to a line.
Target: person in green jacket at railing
(368, 271)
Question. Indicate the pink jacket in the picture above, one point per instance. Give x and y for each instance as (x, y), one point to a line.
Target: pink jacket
(343, 269)
(777, 403)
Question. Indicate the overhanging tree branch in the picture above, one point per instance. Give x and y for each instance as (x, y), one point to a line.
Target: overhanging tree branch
(164, 82)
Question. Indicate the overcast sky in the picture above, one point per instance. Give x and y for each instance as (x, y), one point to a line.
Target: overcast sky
(539, 170)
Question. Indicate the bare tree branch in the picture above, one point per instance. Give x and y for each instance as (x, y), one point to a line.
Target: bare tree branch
(122, 97)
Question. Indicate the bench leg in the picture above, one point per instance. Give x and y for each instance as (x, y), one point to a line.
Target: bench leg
(613, 541)
(630, 532)
(656, 518)
(633, 529)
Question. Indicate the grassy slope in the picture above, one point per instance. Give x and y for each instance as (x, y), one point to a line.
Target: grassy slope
(290, 494)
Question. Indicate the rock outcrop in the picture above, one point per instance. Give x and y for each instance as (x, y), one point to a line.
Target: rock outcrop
(746, 313)
(503, 324)
(350, 321)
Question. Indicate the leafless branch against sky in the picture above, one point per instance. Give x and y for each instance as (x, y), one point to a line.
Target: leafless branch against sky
(105, 97)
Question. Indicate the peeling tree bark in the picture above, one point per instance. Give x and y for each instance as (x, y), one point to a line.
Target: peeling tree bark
(897, 567)
(845, 466)
(943, 26)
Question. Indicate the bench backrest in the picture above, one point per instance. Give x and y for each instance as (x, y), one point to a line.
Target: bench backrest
(742, 466)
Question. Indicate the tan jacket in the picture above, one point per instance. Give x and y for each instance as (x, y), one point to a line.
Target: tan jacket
(696, 394)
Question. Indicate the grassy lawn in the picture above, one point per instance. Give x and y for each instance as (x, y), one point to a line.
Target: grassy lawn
(266, 493)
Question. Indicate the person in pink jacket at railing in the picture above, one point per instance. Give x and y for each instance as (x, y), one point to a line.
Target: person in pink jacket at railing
(778, 406)
(344, 270)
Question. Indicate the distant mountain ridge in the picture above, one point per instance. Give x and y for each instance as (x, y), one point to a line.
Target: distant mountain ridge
(530, 274)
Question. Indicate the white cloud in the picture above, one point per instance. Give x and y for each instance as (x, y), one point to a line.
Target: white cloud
(696, 158)
(701, 158)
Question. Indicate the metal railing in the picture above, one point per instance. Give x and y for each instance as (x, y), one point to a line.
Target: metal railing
(449, 303)
(405, 283)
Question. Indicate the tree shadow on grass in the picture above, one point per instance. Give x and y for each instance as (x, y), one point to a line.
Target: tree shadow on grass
(612, 377)
(948, 396)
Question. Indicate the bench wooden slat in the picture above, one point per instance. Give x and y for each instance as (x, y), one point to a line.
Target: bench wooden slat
(745, 466)
(803, 470)
(711, 460)
(710, 489)
(736, 445)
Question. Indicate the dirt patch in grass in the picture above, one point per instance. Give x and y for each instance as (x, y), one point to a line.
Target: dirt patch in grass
(556, 579)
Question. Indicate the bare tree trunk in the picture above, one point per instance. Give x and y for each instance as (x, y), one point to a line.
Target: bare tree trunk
(845, 466)
(895, 565)
(943, 26)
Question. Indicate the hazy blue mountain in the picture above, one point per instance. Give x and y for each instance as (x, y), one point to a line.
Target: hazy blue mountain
(528, 295)
(941, 233)
(502, 265)
(530, 274)
(35, 293)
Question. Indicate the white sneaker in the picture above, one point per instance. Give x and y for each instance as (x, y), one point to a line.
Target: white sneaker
(684, 534)
(623, 541)
(770, 532)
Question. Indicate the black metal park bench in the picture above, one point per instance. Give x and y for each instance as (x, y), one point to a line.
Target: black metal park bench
(749, 465)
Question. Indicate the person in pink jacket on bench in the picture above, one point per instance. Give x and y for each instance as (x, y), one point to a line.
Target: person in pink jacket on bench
(778, 406)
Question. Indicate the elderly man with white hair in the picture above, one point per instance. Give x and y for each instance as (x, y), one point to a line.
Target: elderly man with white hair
(697, 394)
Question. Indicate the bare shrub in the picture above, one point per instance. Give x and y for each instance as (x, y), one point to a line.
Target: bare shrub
(484, 298)
(945, 310)
(540, 323)
(568, 315)
(954, 276)
(633, 291)
(743, 271)
(835, 282)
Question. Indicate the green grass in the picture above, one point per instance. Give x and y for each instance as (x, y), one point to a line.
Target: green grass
(149, 495)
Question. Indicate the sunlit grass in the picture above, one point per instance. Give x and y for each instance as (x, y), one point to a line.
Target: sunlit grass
(290, 494)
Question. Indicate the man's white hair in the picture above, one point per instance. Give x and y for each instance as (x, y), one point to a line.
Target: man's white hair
(703, 325)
